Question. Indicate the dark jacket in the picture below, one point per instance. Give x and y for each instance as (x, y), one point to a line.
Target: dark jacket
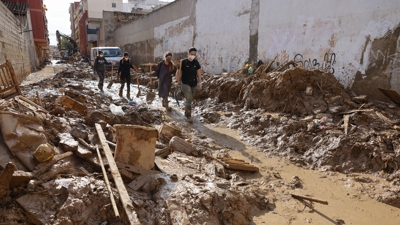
(100, 63)
(189, 72)
(125, 67)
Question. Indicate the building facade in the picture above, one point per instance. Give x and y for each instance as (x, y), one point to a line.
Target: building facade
(89, 16)
(39, 28)
(16, 38)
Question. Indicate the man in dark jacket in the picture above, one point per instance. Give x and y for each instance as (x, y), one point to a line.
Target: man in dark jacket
(100, 66)
(124, 71)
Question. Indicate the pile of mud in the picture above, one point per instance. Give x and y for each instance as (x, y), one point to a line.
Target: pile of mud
(327, 127)
(282, 92)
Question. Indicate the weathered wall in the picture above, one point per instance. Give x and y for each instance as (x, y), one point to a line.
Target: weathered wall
(222, 34)
(357, 41)
(15, 46)
(142, 38)
(345, 38)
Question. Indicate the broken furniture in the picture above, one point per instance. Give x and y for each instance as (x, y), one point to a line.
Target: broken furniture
(9, 86)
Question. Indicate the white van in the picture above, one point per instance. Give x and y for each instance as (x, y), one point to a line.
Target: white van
(112, 54)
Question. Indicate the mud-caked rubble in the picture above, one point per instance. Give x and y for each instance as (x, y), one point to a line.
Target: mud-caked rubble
(50, 172)
(309, 118)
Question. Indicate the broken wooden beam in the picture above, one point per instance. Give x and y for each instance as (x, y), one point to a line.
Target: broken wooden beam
(269, 64)
(309, 199)
(125, 199)
(237, 164)
(73, 104)
(86, 145)
(114, 205)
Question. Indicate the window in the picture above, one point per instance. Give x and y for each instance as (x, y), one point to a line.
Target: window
(114, 5)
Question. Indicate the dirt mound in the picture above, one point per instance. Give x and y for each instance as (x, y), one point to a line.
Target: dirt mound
(283, 92)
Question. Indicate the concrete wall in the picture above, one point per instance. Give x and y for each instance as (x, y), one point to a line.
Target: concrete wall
(14, 46)
(358, 41)
(106, 31)
(142, 38)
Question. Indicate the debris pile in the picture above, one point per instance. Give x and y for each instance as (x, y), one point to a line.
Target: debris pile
(309, 118)
(50, 172)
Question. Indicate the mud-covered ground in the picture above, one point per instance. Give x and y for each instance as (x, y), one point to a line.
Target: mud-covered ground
(296, 138)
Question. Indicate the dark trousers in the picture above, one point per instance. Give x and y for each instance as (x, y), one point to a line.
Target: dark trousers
(126, 80)
(101, 78)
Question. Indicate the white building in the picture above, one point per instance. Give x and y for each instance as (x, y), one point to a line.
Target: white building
(146, 4)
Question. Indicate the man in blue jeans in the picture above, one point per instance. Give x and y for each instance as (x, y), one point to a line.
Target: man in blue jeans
(189, 77)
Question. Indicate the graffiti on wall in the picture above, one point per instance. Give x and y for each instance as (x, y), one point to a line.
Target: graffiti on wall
(327, 63)
(384, 58)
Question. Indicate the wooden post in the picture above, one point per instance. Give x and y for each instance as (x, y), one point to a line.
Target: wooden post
(309, 199)
(108, 184)
(39, 99)
(125, 199)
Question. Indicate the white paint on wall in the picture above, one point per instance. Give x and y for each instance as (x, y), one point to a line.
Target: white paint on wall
(316, 28)
(222, 34)
(175, 36)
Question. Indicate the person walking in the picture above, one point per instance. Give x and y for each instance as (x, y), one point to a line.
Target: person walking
(100, 66)
(124, 72)
(189, 77)
(164, 72)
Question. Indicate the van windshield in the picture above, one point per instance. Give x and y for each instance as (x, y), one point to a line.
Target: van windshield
(111, 52)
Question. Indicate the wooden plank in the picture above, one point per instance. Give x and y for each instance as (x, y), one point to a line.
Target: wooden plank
(108, 184)
(73, 104)
(356, 110)
(36, 106)
(309, 199)
(346, 123)
(125, 199)
(243, 167)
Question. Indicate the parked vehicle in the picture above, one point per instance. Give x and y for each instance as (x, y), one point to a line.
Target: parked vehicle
(112, 54)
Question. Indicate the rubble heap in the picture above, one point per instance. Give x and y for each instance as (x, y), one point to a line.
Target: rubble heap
(309, 118)
(50, 172)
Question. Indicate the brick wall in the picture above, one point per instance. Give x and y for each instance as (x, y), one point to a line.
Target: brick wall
(14, 45)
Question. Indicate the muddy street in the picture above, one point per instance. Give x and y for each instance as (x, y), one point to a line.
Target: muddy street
(72, 154)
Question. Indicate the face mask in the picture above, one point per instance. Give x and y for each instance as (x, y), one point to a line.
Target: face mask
(191, 57)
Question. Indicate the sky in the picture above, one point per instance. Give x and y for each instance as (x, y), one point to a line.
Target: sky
(58, 17)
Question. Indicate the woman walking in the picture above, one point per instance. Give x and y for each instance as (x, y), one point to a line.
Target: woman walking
(164, 71)
(189, 77)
